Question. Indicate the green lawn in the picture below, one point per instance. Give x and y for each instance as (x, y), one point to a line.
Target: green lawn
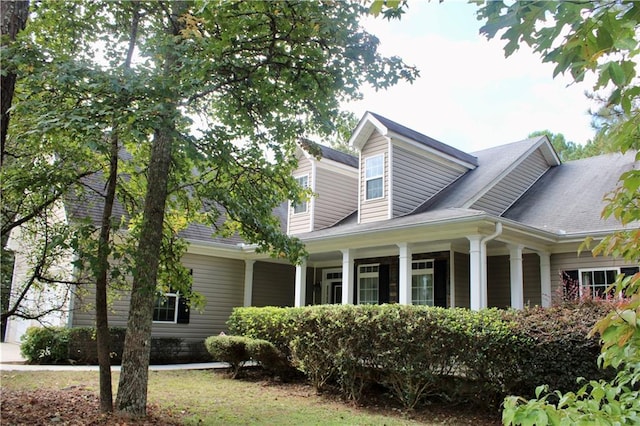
(205, 397)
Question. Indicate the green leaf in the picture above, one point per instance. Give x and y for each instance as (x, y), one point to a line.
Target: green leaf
(617, 74)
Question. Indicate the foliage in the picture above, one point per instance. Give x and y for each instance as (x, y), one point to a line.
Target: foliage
(276, 325)
(206, 117)
(420, 353)
(83, 349)
(230, 349)
(43, 345)
(568, 150)
(598, 38)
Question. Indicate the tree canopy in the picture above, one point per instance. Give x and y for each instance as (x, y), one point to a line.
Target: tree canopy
(205, 118)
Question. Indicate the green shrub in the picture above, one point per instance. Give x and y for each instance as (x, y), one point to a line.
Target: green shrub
(273, 324)
(45, 345)
(83, 348)
(229, 349)
(419, 352)
(268, 357)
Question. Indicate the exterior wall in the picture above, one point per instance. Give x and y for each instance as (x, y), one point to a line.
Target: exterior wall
(462, 280)
(374, 210)
(337, 196)
(219, 280)
(571, 261)
(416, 178)
(499, 280)
(301, 222)
(513, 185)
(273, 284)
(25, 244)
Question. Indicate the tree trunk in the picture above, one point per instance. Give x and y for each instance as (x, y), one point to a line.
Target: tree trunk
(103, 337)
(132, 388)
(14, 19)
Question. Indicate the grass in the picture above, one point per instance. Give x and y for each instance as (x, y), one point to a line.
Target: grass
(207, 397)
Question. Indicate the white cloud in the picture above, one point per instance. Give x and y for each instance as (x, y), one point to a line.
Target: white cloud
(469, 95)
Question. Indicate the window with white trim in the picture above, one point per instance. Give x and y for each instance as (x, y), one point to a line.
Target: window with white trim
(374, 177)
(422, 282)
(368, 284)
(594, 282)
(166, 307)
(301, 207)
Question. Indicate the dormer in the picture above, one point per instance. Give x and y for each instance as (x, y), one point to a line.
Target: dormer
(400, 169)
(332, 176)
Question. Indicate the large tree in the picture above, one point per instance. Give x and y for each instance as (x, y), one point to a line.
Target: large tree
(208, 113)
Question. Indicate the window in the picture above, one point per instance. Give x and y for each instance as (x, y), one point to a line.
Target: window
(422, 282)
(171, 307)
(368, 284)
(166, 307)
(303, 181)
(374, 172)
(592, 282)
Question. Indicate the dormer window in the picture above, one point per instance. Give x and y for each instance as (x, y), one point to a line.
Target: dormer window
(374, 177)
(301, 207)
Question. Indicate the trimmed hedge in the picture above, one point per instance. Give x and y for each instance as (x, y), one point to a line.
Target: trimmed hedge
(238, 350)
(420, 352)
(45, 345)
(78, 345)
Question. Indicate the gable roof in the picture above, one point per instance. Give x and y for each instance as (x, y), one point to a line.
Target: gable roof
(493, 163)
(387, 127)
(570, 198)
(329, 153)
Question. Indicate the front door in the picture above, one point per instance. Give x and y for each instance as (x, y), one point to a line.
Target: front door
(336, 292)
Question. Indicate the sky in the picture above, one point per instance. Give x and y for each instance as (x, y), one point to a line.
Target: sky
(468, 94)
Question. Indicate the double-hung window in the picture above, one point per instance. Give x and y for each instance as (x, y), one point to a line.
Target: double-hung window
(301, 207)
(374, 177)
(166, 307)
(592, 282)
(422, 282)
(368, 284)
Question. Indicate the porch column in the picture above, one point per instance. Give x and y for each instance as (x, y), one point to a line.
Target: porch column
(545, 278)
(517, 284)
(347, 277)
(404, 283)
(248, 281)
(476, 283)
(301, 284)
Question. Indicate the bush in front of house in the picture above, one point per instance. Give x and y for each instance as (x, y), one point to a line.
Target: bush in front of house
(559, 351)
(418, 352)
(273, 324)
(45, 345)
(229, 349)
(83, 348)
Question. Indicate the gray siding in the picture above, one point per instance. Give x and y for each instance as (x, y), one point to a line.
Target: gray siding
(513, 185)
(499, 280)
(337, 196)
(371, 211)
(301, 222)
(461, 276)
(273, 284)
(571, 261)
(220, 281)
(416, 178)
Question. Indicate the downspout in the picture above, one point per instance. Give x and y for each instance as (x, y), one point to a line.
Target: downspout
(483, 265)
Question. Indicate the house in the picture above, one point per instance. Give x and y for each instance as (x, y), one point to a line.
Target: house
(411, 220)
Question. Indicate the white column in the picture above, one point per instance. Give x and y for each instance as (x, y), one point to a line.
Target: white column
(476, 261)
(517, 284)
(347, 277)
(545, 278)
(248, 281)
(301, 284)
(404, 282)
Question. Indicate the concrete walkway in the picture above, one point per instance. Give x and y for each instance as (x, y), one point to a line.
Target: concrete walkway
(12, 360)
